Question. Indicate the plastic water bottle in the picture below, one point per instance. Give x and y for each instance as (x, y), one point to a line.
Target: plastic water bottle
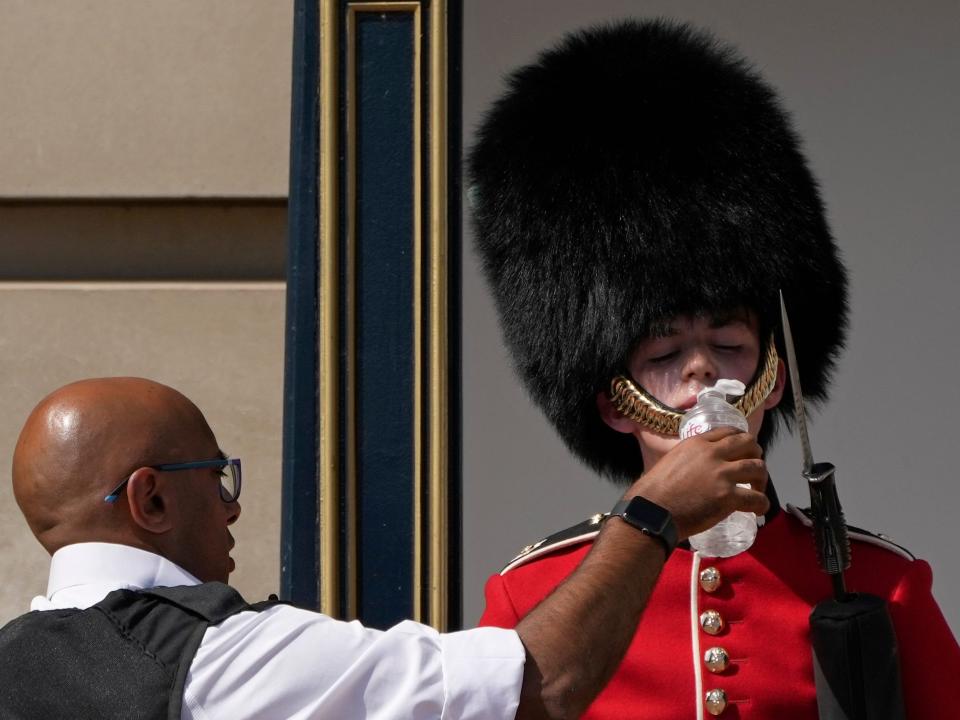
(736, 532)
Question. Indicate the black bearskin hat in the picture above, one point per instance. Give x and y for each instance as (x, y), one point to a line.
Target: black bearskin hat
(633, 173)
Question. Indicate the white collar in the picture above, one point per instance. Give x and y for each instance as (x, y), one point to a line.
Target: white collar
(83, 574)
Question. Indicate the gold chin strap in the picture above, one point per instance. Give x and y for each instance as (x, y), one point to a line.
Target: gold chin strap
(637, 404)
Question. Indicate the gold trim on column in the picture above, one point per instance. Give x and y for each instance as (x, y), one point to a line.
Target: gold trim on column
(418, 378)
(439, 375)
(327, 294)
(350, 391)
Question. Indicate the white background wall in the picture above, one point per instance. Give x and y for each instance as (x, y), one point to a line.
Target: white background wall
(873, 90)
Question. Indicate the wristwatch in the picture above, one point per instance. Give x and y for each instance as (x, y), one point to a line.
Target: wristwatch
(649, 518)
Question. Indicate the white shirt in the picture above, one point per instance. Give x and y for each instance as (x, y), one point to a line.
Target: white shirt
(289, 663)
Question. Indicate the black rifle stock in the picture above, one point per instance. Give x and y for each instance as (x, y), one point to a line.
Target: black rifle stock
(855, 661)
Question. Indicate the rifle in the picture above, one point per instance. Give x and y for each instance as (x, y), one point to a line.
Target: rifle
(855, 661)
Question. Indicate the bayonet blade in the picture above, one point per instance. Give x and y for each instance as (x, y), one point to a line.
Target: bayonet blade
(798, 408)
(829, 528)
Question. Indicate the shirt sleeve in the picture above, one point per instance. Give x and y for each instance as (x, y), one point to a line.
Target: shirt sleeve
(291, 663)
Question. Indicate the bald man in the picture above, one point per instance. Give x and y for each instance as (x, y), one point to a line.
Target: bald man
(123, 483)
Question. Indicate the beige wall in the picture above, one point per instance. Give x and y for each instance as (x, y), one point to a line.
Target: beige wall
(128, 98)
(137, 240)
(143, 142)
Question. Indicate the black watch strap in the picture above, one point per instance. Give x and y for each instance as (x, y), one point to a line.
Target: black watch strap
(649, 518)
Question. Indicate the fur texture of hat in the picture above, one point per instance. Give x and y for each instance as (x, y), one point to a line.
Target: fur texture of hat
(633, 173)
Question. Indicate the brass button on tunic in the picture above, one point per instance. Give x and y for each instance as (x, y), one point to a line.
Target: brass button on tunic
(717, 659)
(711, 622)
(710, 579)
(715, 701)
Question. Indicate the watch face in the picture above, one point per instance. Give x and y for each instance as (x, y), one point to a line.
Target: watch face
(650, 519)
(643, 513)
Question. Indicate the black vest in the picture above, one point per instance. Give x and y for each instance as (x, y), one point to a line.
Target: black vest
(125, 657)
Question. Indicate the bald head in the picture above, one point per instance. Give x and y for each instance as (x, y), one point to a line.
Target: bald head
(84, 439)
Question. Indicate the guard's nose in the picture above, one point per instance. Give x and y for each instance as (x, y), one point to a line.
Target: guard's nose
(699, 365)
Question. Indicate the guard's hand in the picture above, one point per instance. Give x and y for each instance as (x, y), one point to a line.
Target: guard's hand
(697, 479)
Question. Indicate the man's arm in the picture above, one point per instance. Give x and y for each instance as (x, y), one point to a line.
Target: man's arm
(285, 662)
(577, 636)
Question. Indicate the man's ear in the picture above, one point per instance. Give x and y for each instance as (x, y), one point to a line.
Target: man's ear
(773, 399)
(613, 417)
(148, 501)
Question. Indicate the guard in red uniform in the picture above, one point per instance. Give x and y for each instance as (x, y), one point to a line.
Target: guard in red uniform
(639, 199)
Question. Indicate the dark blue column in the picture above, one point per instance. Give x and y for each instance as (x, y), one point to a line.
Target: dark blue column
(372, 346)
(299, 561)
(385, 305)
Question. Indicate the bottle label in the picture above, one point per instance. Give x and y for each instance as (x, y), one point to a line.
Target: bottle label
(694, 427)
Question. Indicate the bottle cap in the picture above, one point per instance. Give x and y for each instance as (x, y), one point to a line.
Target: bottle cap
(727, 388)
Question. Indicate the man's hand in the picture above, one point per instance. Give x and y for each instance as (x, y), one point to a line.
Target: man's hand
(576, 637)
(697, 480)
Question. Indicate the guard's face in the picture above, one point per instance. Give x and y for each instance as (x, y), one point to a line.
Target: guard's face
(689, 354)
(693, 353)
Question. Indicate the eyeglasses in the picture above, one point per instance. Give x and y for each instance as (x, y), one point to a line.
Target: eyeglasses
(229, 476)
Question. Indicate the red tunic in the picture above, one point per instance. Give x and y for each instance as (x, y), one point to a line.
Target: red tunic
(765, 598)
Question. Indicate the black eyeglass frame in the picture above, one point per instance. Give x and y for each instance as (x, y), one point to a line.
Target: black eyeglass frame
(232, 463)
